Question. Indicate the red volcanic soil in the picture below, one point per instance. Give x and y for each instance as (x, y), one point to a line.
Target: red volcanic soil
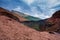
(12, 30)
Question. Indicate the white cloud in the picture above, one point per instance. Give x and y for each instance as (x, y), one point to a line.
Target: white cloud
(17, 8)
(20, 9)
(34, 12)
(28, 1)
(45, 6)
(52, 1)
(38, 14)
(42, 16)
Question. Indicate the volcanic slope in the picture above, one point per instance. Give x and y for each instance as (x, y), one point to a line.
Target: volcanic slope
(11, 29)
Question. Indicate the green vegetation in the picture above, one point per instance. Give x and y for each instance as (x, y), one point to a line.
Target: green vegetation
(26, 16)
(36, 27)
(32, 18)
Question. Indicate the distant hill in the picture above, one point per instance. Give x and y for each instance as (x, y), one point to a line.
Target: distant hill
(28, 17)
(51, 24)
(38, 25)
(32, 18)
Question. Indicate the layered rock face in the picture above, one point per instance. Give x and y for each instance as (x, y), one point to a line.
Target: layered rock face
(50, 25)
(12, 15)
(55, 20)
(11, 29)
(56, 14)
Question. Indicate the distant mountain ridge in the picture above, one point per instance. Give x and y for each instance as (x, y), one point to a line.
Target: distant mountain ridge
(28, 17)
(51, 24)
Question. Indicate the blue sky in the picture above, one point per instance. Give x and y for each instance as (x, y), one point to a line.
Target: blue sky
(38, 8)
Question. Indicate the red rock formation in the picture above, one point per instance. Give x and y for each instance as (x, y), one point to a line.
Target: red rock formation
(10, 29)
(56, 14)
(55, 19)
(10, 14)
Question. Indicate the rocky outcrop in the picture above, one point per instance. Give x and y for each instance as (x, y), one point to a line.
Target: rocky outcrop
(50, 25)
(56, 14)
(55, 19)
(8, 14)
(11, 29)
